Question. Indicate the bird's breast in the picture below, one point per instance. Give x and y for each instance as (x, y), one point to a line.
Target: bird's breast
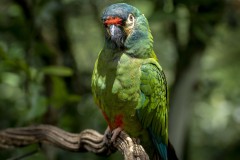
(118, 90)
(127, 80)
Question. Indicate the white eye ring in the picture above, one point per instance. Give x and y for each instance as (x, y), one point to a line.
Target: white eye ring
(130, 17)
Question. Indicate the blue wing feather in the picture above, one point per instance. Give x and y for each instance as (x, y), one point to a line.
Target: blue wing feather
(161, 147)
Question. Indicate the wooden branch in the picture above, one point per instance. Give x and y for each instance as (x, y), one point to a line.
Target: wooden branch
(86, 141)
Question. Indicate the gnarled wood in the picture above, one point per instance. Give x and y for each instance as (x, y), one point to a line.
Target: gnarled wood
(86, 141)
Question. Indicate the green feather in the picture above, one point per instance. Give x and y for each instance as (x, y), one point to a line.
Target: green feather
(153, 86)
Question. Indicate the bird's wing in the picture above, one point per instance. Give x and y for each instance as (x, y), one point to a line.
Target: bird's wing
(153, 108)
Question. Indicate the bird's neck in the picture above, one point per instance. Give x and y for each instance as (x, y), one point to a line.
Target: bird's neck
(140, 44)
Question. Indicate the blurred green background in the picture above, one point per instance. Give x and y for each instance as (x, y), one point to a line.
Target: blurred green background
(47, 53)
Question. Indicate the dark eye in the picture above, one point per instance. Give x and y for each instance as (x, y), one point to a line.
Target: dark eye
(130, 17)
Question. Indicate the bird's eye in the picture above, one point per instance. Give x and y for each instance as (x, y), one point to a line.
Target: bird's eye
(130, 17)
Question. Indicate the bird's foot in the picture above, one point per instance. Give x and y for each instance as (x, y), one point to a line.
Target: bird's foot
(115, 134)
(110, 136)
(107, 136)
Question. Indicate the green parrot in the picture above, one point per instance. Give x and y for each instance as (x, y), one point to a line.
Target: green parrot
(128, 84)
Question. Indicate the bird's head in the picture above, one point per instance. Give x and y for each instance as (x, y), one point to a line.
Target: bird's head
(124, 25)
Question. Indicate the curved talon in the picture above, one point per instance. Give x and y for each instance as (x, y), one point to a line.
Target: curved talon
(115, 134)
(110, 136)
(107, 136)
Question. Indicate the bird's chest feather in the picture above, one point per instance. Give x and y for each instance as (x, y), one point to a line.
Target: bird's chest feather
(126, 82)
(117, 87)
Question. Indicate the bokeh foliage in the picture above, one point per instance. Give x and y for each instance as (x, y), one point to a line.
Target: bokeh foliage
(47, 53)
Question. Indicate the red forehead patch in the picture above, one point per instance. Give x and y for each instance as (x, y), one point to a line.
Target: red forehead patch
(113, 20)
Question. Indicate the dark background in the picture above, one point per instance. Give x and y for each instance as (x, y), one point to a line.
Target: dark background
(47, 53)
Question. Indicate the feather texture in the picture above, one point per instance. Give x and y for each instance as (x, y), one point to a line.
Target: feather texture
(153, 110)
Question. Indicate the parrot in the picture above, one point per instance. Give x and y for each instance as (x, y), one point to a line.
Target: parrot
(128, 83)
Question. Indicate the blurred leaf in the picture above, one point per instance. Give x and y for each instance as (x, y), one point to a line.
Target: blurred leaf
(10, 78)
(183, 24)
(58, 71)
(2, 53)
(73, 98)
(168, 6)
(14, 10)
(39, 107)
(37, 102)
(146, 7)
(59, 96)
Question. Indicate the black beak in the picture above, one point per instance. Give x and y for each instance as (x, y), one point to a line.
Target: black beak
(117, 35)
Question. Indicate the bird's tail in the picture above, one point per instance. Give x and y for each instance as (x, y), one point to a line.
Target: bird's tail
(171, 154)
(160, 152)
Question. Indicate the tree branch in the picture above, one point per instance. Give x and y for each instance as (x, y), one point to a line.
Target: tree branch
(86, 141)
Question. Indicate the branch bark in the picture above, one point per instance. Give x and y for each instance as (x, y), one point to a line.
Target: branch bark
(86, 141)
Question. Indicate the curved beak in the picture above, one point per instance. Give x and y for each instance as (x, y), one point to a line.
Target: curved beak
(117, 34)
(114, 30)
